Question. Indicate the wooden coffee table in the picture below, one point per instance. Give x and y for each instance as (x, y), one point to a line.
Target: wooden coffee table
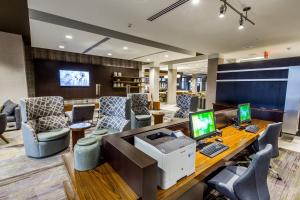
(158, 117)
(78, 131)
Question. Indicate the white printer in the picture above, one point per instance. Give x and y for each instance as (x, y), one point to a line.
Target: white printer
(174, 152)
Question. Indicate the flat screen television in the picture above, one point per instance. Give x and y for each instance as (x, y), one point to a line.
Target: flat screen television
(71, 78)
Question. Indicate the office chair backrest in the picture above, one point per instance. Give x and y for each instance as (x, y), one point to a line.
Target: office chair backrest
(253, 183)
(270, 136)
(82, 113)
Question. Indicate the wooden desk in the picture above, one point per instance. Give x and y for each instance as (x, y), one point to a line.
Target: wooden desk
(101, 183)
(133, 166)
(68, 106)
(235, 139)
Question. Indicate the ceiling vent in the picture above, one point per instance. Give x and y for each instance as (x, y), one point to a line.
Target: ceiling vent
(168, 9)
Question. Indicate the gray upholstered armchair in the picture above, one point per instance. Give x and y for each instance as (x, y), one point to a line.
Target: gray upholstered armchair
(44, 126)
(186, 104)
(115, 112)
(140, 115)
(13, 113)
(3, 123)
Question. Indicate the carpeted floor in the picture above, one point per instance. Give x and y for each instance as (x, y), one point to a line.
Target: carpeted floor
(27, 178)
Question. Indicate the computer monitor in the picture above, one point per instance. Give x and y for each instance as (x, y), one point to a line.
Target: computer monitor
(244, 113)
(202, 124)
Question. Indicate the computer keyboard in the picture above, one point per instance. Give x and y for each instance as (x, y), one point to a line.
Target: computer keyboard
(213, 149)
(252, 129)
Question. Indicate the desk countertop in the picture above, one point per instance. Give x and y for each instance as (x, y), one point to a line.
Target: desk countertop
(105, 183)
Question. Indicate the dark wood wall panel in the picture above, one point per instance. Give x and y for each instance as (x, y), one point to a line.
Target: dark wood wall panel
(270, 95)
(261, 94)
(14, 18)
(47, 79)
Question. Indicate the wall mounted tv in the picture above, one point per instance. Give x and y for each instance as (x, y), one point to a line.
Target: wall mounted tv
(71, 78)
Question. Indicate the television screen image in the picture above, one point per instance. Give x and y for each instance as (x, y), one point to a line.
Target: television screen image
(203, 124)
(70, 78)
(244, 113)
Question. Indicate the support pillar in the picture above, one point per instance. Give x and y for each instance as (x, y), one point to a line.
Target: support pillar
(154, 82)
(172, 84)
(142, 74)
(212, 80)
(194, 84)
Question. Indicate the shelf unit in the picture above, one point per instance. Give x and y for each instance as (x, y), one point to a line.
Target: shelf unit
(132, 81)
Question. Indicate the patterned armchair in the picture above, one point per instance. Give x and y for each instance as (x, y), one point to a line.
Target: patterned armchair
(115, 112)
(186, 104)
(140, 115)
(44, 126)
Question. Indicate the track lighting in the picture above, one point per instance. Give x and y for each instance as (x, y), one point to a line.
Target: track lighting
(243, 14)
(241, 23)
(223, 9)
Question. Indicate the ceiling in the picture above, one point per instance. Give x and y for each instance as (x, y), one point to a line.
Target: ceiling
(192, 27)
(51, 36)
(200, 30)
(190, 68)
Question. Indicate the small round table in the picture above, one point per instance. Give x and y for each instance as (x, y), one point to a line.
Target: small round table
(78, 131)
(158, 117)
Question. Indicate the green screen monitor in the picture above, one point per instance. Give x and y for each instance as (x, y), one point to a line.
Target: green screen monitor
(244, 113)
(202, 124)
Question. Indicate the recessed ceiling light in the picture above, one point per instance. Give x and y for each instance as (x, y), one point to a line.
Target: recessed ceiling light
(148, 60)
(61, 46)
(166, 56)
(70, 37)
(109, 54)
(125, 48)
(251, 59)
(195, 2)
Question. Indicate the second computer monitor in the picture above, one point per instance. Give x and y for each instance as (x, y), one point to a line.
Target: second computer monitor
(202, 124)
(244, 113)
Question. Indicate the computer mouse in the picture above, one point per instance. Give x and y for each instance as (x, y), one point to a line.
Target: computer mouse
(219, 140)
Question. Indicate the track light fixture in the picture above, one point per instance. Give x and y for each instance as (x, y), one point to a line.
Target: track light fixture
(241, 23)
(243, 14)
(223, 10)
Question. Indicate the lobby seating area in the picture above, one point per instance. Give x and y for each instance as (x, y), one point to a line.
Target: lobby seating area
(149, 100)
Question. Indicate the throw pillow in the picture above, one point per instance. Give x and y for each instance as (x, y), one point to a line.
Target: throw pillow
(50, 123)
(9, 107)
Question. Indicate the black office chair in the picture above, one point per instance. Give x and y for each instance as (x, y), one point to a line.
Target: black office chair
(270, 136)
(236, 182)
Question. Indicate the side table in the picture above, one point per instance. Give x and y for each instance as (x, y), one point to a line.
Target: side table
(158, 117)
(78, 131)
